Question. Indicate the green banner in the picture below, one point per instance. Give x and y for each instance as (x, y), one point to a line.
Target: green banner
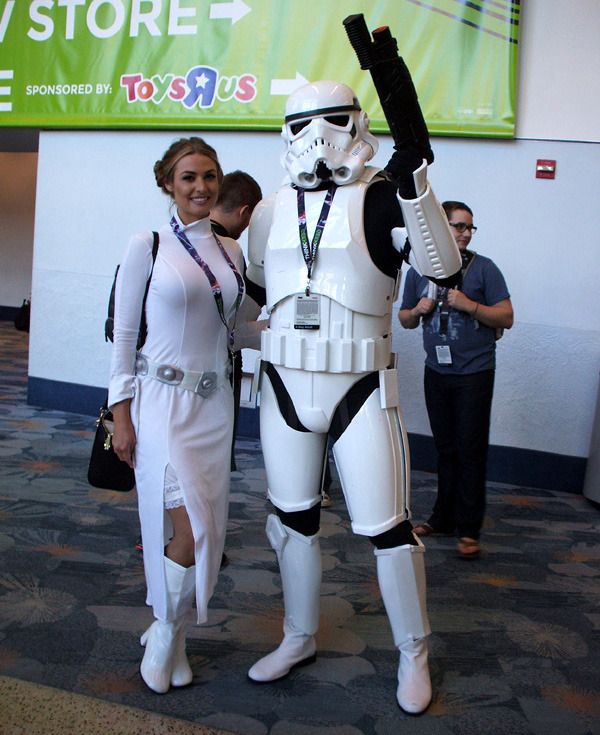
(201, 64)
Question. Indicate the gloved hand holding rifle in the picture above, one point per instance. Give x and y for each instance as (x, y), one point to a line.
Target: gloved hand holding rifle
(398, 99)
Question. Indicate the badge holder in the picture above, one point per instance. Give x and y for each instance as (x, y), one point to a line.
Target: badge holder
(307, 311)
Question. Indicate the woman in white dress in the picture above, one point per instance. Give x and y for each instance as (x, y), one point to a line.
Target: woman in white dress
(173, 402)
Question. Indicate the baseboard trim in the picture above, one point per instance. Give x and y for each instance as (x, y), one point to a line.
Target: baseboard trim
(525, 467)
(512, 465)
(8, 313)
(61, 396)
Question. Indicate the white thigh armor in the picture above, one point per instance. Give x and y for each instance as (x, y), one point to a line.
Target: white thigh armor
(293, 459)
(374, 467)
(371, 455)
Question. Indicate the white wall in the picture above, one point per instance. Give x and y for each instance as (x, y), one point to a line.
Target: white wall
(95, 188)
(559, 58)
(17, 210)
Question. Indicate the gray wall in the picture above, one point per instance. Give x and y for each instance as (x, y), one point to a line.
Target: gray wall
(17, 209)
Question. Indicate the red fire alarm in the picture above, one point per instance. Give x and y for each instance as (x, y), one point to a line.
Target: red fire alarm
(545, 169)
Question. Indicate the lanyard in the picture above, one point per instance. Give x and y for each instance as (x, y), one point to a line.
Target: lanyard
(214, 284)
(442, 293)
(309, 250)
(444, 308)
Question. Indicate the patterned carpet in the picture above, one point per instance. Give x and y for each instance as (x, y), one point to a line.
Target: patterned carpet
(516, 643)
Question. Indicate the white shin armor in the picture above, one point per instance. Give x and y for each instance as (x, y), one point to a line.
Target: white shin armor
(401, 575)
(300, 566)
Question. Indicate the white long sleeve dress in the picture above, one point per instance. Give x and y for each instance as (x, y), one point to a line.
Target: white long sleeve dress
(176, 427)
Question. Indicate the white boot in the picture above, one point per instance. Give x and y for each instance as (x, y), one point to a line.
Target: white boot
(164, 658)
(414, 684)
(401, 574)
(300, 566)
(155, 668)
(182, 675)
(295, 650)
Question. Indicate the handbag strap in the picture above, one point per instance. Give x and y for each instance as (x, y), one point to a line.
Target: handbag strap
(101, 421)
(143, 324)
(110, 318)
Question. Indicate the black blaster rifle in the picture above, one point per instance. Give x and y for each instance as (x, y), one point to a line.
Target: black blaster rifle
(393, 84)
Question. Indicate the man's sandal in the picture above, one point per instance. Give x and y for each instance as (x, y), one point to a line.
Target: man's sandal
(468, 548)
(424, 529)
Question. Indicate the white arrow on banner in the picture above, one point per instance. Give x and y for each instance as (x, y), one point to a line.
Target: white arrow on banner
(234, 10)
(287, 86)
(6, 91)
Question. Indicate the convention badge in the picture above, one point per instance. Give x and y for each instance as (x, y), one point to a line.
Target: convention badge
(307, 312)
(443, 354)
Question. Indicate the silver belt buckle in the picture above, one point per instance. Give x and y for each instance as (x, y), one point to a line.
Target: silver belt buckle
(141, 365)
(169, 374)
(207, 383)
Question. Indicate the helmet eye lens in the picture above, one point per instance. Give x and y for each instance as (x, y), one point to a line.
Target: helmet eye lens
(340, 121)
(298, 126)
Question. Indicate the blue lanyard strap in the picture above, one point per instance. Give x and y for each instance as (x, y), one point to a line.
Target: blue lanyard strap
(214, 283)
(309, 250)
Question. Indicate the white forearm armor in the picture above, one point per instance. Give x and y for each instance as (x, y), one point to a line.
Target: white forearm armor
(434, 252)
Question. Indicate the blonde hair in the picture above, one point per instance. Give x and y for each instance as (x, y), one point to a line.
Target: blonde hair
(164, 168)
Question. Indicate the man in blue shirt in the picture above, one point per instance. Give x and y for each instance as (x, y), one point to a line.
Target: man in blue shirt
(460, 329)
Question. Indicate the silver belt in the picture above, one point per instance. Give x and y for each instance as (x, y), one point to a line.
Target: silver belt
(201, 383)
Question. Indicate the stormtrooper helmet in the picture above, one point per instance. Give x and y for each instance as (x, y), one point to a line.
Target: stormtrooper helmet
(327, 135)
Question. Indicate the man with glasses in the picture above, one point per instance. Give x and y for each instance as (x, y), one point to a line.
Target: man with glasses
(460, 329)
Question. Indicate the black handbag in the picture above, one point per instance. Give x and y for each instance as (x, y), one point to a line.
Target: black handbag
(106, 470)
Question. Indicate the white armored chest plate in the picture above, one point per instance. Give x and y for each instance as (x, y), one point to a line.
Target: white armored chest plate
(343, 269)
(355, 296)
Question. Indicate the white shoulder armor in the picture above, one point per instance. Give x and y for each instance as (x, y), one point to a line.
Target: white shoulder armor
(258, 234)
(434, 252)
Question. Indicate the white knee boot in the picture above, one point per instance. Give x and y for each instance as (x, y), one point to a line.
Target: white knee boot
(165, 663)
(300, 567)
(401, 574)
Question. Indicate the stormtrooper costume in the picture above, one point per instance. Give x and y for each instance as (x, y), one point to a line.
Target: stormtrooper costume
(328, 248)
